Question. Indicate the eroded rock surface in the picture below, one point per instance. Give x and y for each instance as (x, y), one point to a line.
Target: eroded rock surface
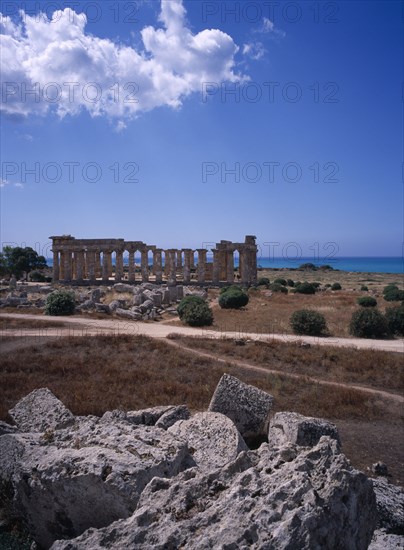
(291, 427)
(313, 500)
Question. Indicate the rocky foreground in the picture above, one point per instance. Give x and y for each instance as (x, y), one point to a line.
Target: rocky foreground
(163, 479)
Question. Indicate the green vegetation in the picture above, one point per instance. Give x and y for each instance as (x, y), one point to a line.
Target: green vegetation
(367, 301)
(305, 288)
(395, 319)
(60, 302)
(391, 293)
(308, 322)
(264, 281)
(290, 282)
(276, 287)
(336, 286)
(195, 312)
(20, 261)
(185, 302)
(233, 298)
(280, 281)
(364, 288)
(368, 323)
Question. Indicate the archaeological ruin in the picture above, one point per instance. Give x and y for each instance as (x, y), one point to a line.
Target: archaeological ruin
(97, 261)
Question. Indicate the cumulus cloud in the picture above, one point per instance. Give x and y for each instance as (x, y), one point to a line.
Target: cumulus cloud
(54, 65)
(254, 50)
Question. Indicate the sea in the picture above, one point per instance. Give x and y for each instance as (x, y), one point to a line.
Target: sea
(348, 263)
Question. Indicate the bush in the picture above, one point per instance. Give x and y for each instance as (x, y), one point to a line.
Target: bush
(395, 319)
(187, 301)
(367, 301)
(308, 322)
(37, 277)
(309, 266)
(316, 285)
(364, 288)
(233, 298)
(276, 287)
(290, 282)
(368, 323)
(280, 282)
(394, 295)
(233, 287)
(336, 286)
(389, 287)
(305, 288)
(197, 315)
(263, 281)
(60, 302)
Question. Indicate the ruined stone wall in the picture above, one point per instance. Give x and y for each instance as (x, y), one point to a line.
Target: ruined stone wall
(91, 260)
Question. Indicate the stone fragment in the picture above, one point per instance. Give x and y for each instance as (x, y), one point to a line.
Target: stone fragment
(88, 475)
(258, 501)
(291, 427)
(7, 428)
(214, 438)
(126, 314)
(149, 416)
(384, 541)
(248, 407)
(169, 418)
(380, 469)
(390, 506)
(122, 287)
(40, 410)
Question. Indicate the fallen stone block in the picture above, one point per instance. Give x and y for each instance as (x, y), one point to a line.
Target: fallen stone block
(291, 427)
(39, 411)
(122, 287)
(390, 506)
(149, 416)
(213, 437)
(247, 406)
(169, 418)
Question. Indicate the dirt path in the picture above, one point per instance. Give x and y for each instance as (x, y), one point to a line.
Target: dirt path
(79, 326)
(249, 366)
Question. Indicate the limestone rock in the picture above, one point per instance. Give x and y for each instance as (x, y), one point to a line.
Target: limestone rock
(149, 416)
(90, 474)
(7, 428)
(248, 407)
(45, 289)
(169, 418)
(385, 541)
(122, 287)
(40, 411)
(214, 438)
(291, 427)
(114, 305)
(390, 506)
(126, 314)
(314, 501)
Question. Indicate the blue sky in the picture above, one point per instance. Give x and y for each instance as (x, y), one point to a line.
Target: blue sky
(189, 122)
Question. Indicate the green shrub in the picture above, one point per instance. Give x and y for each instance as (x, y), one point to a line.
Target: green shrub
(305, 288)
(187, 301)
(280, 282)
(197, 314)
(326, 267)
(308, 322)
(60, 302)
(233, 298)
(368, 323)
(367, 301)
(327, 285)
(316, 285)
(37, 277)
(336, 286)
(309, 266)
(395, 319)
(364, 288)
(290, 282)
(389, 287)
(276, 287)
(232, 287)
(263, 281)
(394, 295)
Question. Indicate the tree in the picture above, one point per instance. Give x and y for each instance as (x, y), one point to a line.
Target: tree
(20, 261)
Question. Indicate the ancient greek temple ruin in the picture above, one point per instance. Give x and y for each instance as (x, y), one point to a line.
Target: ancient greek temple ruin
(100, 261)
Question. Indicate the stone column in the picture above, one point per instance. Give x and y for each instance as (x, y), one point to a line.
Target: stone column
(144, 266)
(91, 265)
(56, 272)
(179, 259)
(201, 264)
(230, 267)
(62, 266)
(187, 265)
(216, 267)
(172, 270)
(132, 273)
(97, 261)
(106, 265)
(157, 265)
(118, 265)
(68, 266)
(79, 258)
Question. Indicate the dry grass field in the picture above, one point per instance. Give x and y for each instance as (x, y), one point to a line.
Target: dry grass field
(92, 375)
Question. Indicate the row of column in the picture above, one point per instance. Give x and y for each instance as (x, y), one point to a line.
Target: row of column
(79, 265)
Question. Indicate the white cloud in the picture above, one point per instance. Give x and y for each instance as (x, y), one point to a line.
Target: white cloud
(55, 65)
(254, 50)
(4, 183)
(268, 27)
